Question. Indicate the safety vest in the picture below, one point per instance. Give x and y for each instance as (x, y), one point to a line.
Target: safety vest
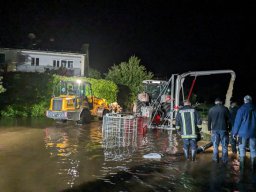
(188, 122)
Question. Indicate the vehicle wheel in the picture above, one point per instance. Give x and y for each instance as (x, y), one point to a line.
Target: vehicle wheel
(104, 113)
(85, 117)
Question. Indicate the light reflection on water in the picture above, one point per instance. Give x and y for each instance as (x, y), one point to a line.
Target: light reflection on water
(38, 155)
(63, 145)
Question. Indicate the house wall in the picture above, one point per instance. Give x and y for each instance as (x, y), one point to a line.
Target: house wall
(22, 59)
(9, 56)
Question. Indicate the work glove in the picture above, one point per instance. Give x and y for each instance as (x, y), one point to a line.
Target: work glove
(234, 136)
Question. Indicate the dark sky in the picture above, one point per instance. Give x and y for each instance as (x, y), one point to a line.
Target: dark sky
(168, 36)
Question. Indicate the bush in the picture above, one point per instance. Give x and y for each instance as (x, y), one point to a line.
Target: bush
(15, 111)
(38, 110)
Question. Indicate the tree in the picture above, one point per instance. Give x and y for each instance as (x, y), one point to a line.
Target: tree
(130, 73)
(93, 73)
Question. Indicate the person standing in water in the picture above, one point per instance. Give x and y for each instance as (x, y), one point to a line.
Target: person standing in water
(245, 129)
(218, 125)
(188, 123)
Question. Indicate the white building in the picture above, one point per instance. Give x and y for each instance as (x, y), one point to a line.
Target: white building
(40, 61)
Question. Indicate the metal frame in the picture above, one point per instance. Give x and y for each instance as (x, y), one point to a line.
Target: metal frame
(119, 132)
(177, 87)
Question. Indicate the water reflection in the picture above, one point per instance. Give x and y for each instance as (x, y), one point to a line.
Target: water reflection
(62, 144)
(40, 156)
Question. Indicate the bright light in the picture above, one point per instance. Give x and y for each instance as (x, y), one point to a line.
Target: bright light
(78, 81)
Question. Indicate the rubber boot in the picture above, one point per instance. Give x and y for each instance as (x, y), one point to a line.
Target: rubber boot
(193, 153)
(253, 164)
(216, 158)
(242, 163)
(186, 154)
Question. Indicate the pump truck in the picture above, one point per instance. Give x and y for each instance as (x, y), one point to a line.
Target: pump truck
(73, 100)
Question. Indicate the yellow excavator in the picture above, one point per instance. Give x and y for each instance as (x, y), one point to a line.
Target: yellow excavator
(74, 101)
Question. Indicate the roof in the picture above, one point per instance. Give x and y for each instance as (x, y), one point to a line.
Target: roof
(44, 51)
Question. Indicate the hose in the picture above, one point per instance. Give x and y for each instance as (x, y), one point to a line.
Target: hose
(204, 147)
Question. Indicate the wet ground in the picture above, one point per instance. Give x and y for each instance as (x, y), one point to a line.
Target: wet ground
(38, 155)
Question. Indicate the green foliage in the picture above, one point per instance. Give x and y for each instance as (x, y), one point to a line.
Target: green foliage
(15, 111)
(101, 88)
(104, 89)
(23, 91)
(28, 88)
(2, 89)
(63, 71)
(129, 73)
(38, 110)
(93, 73)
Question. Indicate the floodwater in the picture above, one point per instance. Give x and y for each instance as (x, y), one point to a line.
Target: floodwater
(39, 155)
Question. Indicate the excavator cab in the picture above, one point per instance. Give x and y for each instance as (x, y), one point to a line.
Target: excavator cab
(155, 89)
(155, 100)
(81, 90)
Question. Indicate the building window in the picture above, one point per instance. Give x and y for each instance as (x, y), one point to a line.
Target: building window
(70, 64)
(37, 61)
(34, 61)
(63, 63)
(55, 63)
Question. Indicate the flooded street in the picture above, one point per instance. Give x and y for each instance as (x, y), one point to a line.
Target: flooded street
(39, 155)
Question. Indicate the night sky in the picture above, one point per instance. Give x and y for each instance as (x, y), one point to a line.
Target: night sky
(168, 36)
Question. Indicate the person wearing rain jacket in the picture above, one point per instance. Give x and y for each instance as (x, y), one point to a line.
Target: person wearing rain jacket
(188, 123)
(245, 129)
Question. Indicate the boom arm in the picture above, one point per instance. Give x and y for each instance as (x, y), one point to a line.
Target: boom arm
(180, 80)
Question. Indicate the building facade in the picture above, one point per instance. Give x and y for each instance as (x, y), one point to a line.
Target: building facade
(40, 61)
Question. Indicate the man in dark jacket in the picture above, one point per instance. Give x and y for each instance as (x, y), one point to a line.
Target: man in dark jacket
(232, 112)
(218, 122)
(245, 129)
(188, 122)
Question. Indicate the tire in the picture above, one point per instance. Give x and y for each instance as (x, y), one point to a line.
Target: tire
(104, 113)
(85, 117)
